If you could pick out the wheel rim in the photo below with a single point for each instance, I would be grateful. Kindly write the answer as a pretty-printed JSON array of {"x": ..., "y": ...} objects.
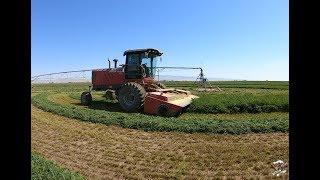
[
  {"x": 84, "y": 99},
  {"x": 129, "y": 99}
]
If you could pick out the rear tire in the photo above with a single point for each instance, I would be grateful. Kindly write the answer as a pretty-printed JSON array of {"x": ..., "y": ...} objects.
[
  {"x": 131, "y": 96},
  {"x": 86, "y": 98}
]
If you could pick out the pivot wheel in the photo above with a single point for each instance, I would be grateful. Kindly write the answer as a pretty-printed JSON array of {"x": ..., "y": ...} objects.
[
  {"x": 86, "y": 98},
  {"x": 131, "y": 96}
]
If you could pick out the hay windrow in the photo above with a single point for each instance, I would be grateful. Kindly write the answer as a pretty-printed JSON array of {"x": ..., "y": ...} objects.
[
  {"x": 229, "y": 103},
  {"x": 154, "y": 123}
]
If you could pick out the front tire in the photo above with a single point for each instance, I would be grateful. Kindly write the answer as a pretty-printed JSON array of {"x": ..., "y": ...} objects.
[
  {"x": 86, "y": 98},
  {"x": 131, "y": 96}
]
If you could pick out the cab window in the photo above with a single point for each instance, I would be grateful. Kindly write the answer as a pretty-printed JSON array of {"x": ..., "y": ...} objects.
[{"x": 133, "y": 59}]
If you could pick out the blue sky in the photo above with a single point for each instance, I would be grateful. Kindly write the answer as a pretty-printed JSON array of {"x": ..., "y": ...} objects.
[{"x": 237, "y": 39}]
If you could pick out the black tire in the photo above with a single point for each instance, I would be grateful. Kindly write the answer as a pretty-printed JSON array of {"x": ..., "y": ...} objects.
[
  {"x": 86, "y": 98},
  {"x": 177, "y": 114},
  {"x": 131, "y": 96},
  {"x": 163, "y": 110},
  {"x": 160, "y": 85},
  {"x": 185, "y": 108}
]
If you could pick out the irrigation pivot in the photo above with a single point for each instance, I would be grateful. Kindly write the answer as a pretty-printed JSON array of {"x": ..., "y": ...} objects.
[{"x": 201, "y": 82}]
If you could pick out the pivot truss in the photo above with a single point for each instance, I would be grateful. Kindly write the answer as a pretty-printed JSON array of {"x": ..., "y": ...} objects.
[{"x": 201, "y": 82}]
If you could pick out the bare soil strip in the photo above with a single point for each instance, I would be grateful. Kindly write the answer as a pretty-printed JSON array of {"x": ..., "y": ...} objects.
[{"x": 97, "y": 151}]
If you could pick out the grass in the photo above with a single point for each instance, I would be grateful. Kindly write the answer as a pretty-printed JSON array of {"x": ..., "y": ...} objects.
[
  {"x": 236, "y": 101},
  {"x": 154, "y": 123},
  {"x": 253, "y": 91},
  {"x": 42, "y": 169},
  {"x": 109, "y": 152},
  {"x": 100, "y": 102},
  {"x": 272, "y": 85},
  {"x": 60, "y": 87},
  {"x": 240, "y": 103},
  {"x": 234, "y": 84}
]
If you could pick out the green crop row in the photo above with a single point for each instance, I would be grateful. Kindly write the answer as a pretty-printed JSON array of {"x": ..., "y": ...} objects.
[
  {"x": 231, "y": 86},
  {"x": 44, "y": 169},
  {"x": 268, "y": 83},
  {"x": 69, "y": 87},
  {"x": 234, "y": 84},
  {"x": 231, "y": 103},
  {"x": 155, "y": 123},
  {"x": 60, "y": 87},
  {"x": 239, "y": 103}
]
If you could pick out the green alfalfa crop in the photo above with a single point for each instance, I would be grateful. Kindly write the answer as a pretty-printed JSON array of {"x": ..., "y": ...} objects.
[
  {"x": 234, "y": 103},
  {"x": 156, "y": 123},
  {"x": 284, "y": 85},
  {"x": 42, "y": 168},
  {"x": 240, "y": 103}
]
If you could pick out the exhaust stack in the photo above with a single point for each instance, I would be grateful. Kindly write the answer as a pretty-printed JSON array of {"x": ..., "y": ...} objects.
[{"x": 115, "y": 63}]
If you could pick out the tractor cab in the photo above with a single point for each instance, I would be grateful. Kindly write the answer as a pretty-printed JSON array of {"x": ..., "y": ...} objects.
[{"x": 141, "y": 63}]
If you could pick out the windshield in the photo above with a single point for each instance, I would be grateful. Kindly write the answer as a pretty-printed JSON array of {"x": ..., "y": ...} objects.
[{"x": 150, "y": 64}]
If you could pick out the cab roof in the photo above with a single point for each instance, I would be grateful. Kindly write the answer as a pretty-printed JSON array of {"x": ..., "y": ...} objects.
[{"x": 149, "y": 50}]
